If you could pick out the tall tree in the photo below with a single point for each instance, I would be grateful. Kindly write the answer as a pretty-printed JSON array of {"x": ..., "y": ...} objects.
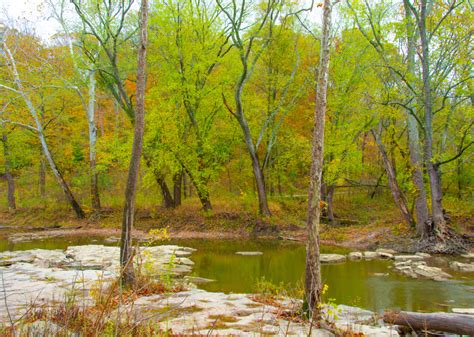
[
  {"x": 19, "y": 89},
  {"x": 126, "y": 254},
  {"x": 249, "y": 52},
  {"x": 313, "y": 284},
  {"x": 86, "y": 77}
]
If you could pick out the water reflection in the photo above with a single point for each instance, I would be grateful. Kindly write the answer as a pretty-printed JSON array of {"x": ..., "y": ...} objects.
[{"x": 368, "y": 284}]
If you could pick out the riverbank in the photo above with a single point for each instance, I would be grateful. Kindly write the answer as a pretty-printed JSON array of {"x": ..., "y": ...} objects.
[
  {"x": 76, "y": 274},
  {"x": 365, "y": 226}
]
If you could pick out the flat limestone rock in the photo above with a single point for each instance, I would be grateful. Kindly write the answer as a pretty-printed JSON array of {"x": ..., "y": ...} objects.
[
  {"x": 355, "y": 255},
  {"x": 249, "y": 253},
  {"x": 370, "y": 255},
  {"x": 408, "y": 257},
  {"x": 386, "y": 250},
  {"x": 332, "y": 258},
  {"x": 464, "y": 267},
  {"x": 385, "y": 255},
  {"x": 433, "y": 273}
]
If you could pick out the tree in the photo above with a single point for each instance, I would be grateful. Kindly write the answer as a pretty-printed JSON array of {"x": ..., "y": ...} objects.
[
  {"x": 249, "y": 53},
  {"x": 126, "y": 255},
  {"x": 7, "y": 165},
  {"x": 86, "y": 77},
  {"x": 187, "y": 57},
  {"x": 19, "y": 89},
  {"x": 313, "y": 284}
]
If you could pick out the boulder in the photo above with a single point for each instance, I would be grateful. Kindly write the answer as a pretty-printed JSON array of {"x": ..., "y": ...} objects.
[
  {"x": 332, "y": 258},
  {"x": 355, "y": 255},
  {"x": 433, "y": 273},
  {"x": 464, "y": 267},
  {"x": 370, "y": 255},
  {"x": 385, "y": 255},
  {"x": 408, "y": 257},
  {"x": 386, "y": 250},
  {"x": 423, "y": 255},
  {"x": 249, "y": 253},
  {"x": 468, "y": 256}
]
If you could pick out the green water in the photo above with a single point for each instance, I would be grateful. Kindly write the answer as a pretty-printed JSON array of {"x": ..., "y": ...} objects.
[{"x": 367, "y": 284}]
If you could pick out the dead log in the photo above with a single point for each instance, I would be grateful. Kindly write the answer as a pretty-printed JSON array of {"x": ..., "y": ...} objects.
[{"x": 437, "y": 321}]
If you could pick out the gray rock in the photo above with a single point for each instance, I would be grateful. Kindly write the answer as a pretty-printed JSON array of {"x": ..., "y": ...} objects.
[
  {"x": 370, "y": 255},
  {"x": 408, "y": 257},
  {"x": 385, "y": 255},
  {"x": 423, "y": 255},
  {"x": 332, "y": 258},
  {"x": 249, "y": 253},
  {"x": 355, "y": 255},
  {"x": 464, "y": 267},
  {"x": 386, "y": 250},
  {"x": 433, "y": 273}
]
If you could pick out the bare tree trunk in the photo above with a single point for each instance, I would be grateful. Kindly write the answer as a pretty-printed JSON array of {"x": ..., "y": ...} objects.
[
  {"x": 202, "y": 193},
  {"x": 94, "y": 179},
  {"x": 257, "y": 170},
  {"x": 8, "y": 173},
  {"x": 185, "y": 186},
  {"x": 330, "y": 201},
  {"x": 397, "y": 193},
  {"x": 177, "y": 183},
  {"x": 59, "y": 177},
  {"x": 439, "y": 223},
  {"x": 42, "y": 176},
  {"x": 126, "y": 251},
  {"x": 313, "y": 265},
  {"x": 421, "y": 203}
]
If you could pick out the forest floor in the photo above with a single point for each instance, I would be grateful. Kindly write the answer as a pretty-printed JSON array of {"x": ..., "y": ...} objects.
[{"x": 367, "y": 225}]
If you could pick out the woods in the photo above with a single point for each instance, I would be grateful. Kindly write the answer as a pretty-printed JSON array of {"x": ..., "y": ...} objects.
[{"x": 245, "y": 111}]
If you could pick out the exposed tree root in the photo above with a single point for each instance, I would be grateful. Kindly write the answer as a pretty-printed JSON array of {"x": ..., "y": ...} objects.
[{"x": 449, "y": 242}]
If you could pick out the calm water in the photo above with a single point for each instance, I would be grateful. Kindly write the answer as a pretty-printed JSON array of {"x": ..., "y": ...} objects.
[{"x": 368, "y": 284}]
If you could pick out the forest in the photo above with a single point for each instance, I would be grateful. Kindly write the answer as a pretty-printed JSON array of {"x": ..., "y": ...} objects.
[{"x": 237, "y": 167}]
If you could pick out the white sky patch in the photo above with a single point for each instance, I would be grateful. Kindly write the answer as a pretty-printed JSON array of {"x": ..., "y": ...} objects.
[{"x": 36, "y": 14}]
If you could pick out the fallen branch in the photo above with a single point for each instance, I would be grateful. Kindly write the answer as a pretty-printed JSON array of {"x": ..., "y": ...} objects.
[{"x": 438, "y": 321}]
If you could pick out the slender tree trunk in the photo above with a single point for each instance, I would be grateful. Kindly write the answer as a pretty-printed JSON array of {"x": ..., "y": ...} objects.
[
  {"x": 421, "y": 203},
  {"x": 94, "y": 176},
  {"x": 8, "y": 173},
  {"x": 167, "y": 201},
  {"x": 330, "y": 201},
  {"x": 257, "y": 170},
  {"x": 397, "y": 193},
  {"x": 177, "y": 184},
  {"x": 459, "y": 165},
  {"x": 126, "y": 251},
  {"x": 185, "y": 186},
  {"x": 439, "y": 223},
  {"x": 313, "y": 265},
  {"x": 42, "y": 176},
  {"x": 59, "y": 177},
  {"x": 202, "y": 193}
]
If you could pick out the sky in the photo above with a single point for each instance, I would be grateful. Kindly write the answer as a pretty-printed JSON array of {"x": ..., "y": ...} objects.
[{"x": 36, "y": 13}]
